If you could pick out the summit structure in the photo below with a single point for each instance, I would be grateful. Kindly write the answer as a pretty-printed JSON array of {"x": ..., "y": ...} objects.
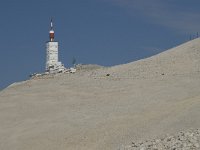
[{"x": 53, "y": 65}]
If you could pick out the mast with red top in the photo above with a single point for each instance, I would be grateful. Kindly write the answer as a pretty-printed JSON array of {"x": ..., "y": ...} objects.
[
  {"x": 53, "y": 65},
  {"x": 51, "y": 32}
]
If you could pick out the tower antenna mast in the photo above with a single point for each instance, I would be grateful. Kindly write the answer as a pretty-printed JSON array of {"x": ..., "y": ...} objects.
[{"x": 51, "y": 32}]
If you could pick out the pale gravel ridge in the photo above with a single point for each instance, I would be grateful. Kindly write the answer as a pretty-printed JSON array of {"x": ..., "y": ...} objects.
[
  {"x": 104, "y": 108},
  {"x": 181, "y": 60}
]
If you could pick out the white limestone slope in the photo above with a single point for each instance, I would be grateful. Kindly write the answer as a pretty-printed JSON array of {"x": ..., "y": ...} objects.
[
  {"x": 183, "y": 59},
  {"x": 91, "y": 110}
]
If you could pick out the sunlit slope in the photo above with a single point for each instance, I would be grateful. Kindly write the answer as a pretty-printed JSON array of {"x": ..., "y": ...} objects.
[
  {"x": 183, "y": 59},
  {"x": 100, "y": 109}
]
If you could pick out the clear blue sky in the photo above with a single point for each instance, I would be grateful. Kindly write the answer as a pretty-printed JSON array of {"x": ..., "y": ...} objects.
[{"x": 104, "y": 32}]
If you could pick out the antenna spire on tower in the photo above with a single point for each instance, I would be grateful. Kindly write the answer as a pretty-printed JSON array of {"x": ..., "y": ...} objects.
[
  {"x": 51, "y": 32},
  {"x": 51, "y": 23}
]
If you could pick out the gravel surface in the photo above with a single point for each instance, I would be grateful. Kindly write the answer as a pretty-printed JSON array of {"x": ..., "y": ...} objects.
[
  {"x": 102, "y": 108},
  {"x": 184, "y": 140}
]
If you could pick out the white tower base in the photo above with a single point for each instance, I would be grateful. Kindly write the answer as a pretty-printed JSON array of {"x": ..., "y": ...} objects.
[{"x": 52, "y": 63}]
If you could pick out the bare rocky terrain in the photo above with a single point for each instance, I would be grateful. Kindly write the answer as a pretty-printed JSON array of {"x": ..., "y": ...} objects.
[
  {"x": 184, "y": 140},
  {"x": 105, "y": 108}
]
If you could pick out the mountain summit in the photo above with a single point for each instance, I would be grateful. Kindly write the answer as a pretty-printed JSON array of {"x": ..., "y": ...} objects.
[{"x": 103, "y": 108}]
